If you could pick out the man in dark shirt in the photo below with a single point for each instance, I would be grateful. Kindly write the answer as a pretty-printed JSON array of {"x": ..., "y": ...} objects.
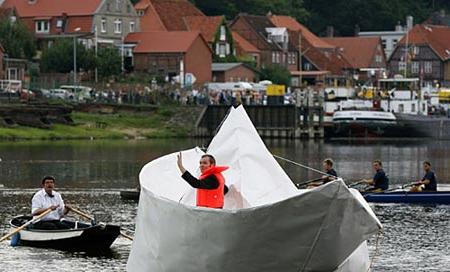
[
  {"x": 428, "y": 183},
  {"x": 210, "y": 180},
  {"x": 330, "y": 174},
  {"x": 380, "y": 181}
]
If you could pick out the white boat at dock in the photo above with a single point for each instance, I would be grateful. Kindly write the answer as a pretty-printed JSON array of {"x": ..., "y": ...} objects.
[{"x": 267, "y": 224}]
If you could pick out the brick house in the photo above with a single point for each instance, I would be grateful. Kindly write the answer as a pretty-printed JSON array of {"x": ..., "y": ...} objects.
[
  {"x": 424, "y": 53},
  {"x": 170, "y": 54},
  {"x": 270, "y": 40},
  {"x": 233, "y": 72},
  {"x": 109, "y": 20},
  {"x": 246, "y": 50},
  {"x": 365, "y": 54}
]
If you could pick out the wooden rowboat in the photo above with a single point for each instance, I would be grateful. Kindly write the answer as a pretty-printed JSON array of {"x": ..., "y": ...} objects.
[
  {"x": 81, "y": 237},
  {"x": 440, "y": 197}
]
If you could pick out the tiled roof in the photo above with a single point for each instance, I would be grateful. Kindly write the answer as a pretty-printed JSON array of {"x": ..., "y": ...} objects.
[
  {"x": 245, "y": 45},
  {"x": 53, "y": 7},
  {"x": 292, "y": 24},
  {"x": 83, "y": 22},
  {"x": 163, "y": 41},
  {"x": 172, "y": 12},
  {"x": 207, "y": 25},
  {"x": 359, "y": 51},
  {"x": 259, "y": 25},
  {"x": 437, "y": 37},
  {"x": 150, "y": 21}
]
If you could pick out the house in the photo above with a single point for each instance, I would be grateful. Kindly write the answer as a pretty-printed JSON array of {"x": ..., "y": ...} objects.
[
  {"x": 320, "y": 61},
  {"x": 104, "y": 21},
  {"x": 246, "y": 50},
  {"x": 233, "y": 72},
  {"x": 165, "y": 15},
  {"x": 365, "y": 54},
  {"x": 171, "y": 54},
  {"x": 270, "y": 40},
  {"x": 389, "y": 39},
  {"x": 425, "y": 53},
  {"x": 216, "y": 32}
]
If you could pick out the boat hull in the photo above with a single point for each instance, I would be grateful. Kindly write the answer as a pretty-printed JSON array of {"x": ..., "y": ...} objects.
[
  {"x": 410, "y": 197},
  {"x": 93, "y": 238}
]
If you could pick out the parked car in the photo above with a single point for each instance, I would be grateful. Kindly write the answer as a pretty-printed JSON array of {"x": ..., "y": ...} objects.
[
  {"x": 58, "y": 94},
  {"x": 78, "y": 93}
]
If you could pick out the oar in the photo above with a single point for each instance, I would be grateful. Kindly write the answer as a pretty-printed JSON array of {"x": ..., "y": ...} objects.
[
  {"x": 85, "y": 215},
  {"x": 37, "y": 218},
  {"x": 307, "y": 182},
  {"x": 393, "y": 189},
  {"x": 355, "y": 183}
]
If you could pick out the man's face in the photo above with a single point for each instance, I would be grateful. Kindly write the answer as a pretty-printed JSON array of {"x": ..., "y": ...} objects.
[
  {"x": 326, "y": 166},
  {"x": 426, "y": 167},
  {"x": 205, "y": 164},
  {"x": 48, "y": 185},
  {"x": 376, "y": 166}
]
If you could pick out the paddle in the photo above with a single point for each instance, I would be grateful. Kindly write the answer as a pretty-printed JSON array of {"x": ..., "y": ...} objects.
[
  {"x": 85, "y": 215},
  {"x": 355, "y": 183},
  {"x": 307, "y": 182},
  {"x": 393, "y": 189},
  {"x": 37, "y": 218}
]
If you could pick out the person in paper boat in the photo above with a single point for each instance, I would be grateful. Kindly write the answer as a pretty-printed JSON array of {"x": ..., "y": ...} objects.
[{"x": 210, "y": 185}]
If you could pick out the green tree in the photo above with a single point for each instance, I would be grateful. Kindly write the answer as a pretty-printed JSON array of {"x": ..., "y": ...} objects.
[
  {"x": 16, "y": 39},
  {"x": 109, "y": 62},
  {"x": 277, "y": 74}
]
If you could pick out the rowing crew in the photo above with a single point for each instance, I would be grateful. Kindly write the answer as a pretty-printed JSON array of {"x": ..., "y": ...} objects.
[{"x": 380, "y": 180}]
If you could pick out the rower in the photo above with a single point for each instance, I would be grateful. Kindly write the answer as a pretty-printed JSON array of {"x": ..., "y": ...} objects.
[
  {"x": 428, "y": 183},
  {"x": 210, "y": 185},
  {"x": 330, "y": 174},
  {"x": 48, "y": 198},
  {"x": 380, "y": 181}
]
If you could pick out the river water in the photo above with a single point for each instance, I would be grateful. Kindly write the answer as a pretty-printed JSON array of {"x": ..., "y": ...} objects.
[{"x": 90, "y": 175}]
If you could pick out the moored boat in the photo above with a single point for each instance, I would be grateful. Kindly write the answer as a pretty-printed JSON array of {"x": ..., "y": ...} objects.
[
  {"x": 80, "y": 237},
  {"x": 440, "y": 197}
]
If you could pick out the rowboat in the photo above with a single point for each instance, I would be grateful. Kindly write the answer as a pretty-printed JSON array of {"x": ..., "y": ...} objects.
[
  {"x": 80, "y": 237},
  {"x": 266, "y": 225},
  {"x": 439, "y": 197}
]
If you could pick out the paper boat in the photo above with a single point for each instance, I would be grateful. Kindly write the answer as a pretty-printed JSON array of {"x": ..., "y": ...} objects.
[{"x": 266, "y": 224}]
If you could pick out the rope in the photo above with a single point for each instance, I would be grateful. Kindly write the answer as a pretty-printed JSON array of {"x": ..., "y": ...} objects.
[
  {"x": 377, "y": 250},
  {"x": 301, "y": 165}
]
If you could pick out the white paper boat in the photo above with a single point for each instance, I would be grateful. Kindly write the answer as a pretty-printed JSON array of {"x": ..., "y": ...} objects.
[{"x": 266, "y": 224}]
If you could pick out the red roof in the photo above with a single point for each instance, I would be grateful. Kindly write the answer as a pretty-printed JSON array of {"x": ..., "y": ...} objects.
[
  {"x": 245, "y": 45},
  {"x": 172, "y": 12},
  {"x": 359, "y": 51},
  {"x": 437, "y": 37},
  {"x": 292, "y": 24},
  {"x": 83, "y": 22},
  {"x": 53, "y": 7},
  {"x": 207, "y": 25},
  {"x": 150, "y": 21},
  {"x": 163, "y": 41}
]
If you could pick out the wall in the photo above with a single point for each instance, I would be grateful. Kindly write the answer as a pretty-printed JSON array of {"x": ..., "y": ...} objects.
[{"x": 198, "y": 61}]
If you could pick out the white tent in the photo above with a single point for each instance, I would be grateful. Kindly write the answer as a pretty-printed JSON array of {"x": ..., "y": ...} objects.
[{"x": 266, "y": 224}]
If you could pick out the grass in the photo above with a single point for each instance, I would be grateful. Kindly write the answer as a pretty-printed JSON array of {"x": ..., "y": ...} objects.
[{"x": 105, "y": 126}]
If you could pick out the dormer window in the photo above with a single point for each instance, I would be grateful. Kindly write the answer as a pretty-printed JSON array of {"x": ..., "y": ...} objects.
[
  {"x": 59, "y": 23},
  {"x": 140, "y": 12},
  {"x": 42, "y": 26},
  {"x": 222, "y": 33}
]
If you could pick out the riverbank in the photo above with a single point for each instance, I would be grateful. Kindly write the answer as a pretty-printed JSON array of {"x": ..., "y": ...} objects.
[{"x": 163, "y": 122}]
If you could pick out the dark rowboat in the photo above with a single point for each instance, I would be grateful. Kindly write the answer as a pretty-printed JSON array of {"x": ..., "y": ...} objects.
[
  {"x": 440, "y": 197},
  {"x": 130, "y": 195},
  {"x": 80, "y": 237}
]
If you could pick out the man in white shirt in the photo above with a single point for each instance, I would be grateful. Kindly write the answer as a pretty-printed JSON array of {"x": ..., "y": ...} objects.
[{"x": 48, "y": 198}]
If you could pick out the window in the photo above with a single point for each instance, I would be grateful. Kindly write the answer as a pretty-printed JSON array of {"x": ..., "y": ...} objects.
[
  {"x": 12, "y": 74},
  {"x": 131, "y": 26},
  {"x": 384, "y": 43},
  {"x": 118, "y": 4},
  {"x": 223, "y": 33},
  {"x": 117, "y": 26},
  {"x": 128, "y": 8},
  {"x": 416, "y": 50},
  {"x": 307, "y": 66},
  {"x": 401, "y": 66},
  {"x": 428, "y": 67},
  {"x": 378, "y": 59},
  {"x": 415, "y": 67},
  {"x": 222, "y": 50},
  {"x": 413, "y": 107},
  {"x": 401, "y": 108},
  {"x": 59, "y": 23},
  {"x": 42, "y": 26},
  {"x": 274, "y": 58},
  {"x": 140, "y": 12},
  {"x": 394, "y": 43},
  {"x": 108, "y": 6},
  {"x": 278, "y": 57},
  {"x": 103, "y": 25}
]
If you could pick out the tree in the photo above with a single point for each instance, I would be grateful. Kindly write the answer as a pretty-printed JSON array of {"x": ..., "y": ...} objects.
[
  {"x": 277, "y": 74},
  {"x": 16, "y": 39},
  {"x": 109, "y": 62}
]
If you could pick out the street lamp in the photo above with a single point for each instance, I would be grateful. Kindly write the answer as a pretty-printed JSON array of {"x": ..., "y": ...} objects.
[{"x": 75, "y": 56}]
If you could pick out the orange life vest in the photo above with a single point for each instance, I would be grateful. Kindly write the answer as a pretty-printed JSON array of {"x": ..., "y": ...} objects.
[{"x": 212, "y": 198}]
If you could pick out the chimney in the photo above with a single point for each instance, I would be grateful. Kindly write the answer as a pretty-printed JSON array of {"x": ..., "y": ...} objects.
[
  {"x": 398, "y": 27},
  {"x": 409, "y": 22},
  {"x": 330, "y": 31},
  {"x": 357, "y": 30}
]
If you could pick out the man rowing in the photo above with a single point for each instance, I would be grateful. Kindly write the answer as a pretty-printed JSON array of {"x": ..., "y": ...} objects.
[
  {"x": 380, "y": 181},
  {"x": 210, "y": 185},
  {"x": 47, "y": 198},
  {"x": 428, "y": 183},
  {"x": 330, "y": 174}
]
